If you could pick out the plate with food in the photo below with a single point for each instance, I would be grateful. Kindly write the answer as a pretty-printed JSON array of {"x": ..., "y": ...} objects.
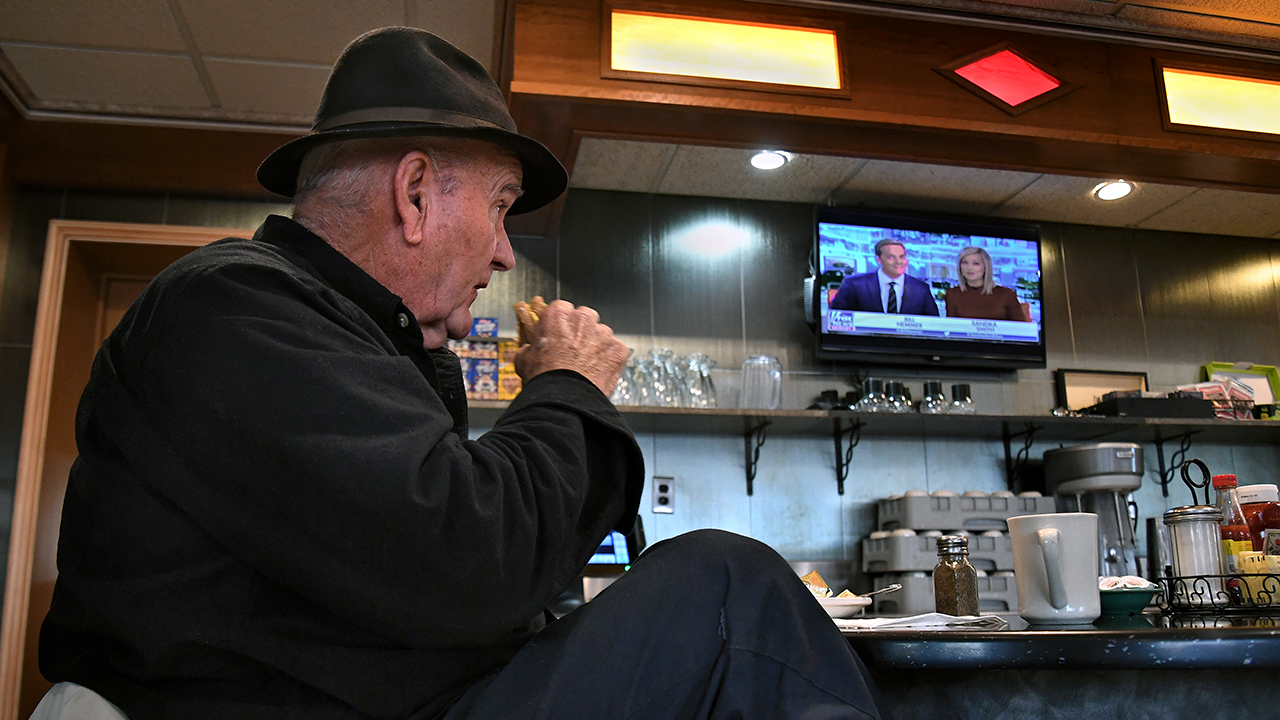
[{"x": 844, "y": 605}]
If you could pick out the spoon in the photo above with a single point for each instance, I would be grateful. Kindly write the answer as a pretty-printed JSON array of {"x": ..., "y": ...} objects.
[{"x": 891, "y": 588}]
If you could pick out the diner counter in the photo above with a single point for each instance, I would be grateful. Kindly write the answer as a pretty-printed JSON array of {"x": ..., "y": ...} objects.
[
  {"x": 1147, "y": 641},
  {"x": 1149, "y": 666}
]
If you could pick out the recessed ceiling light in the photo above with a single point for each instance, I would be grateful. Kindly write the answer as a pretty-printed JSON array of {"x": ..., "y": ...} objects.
[
  {"x": 769, "y": 159},
  {"x": 1112, "y": 189}
]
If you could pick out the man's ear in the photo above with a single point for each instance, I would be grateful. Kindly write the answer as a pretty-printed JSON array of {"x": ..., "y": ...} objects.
[{"x": 414, "y": 182}]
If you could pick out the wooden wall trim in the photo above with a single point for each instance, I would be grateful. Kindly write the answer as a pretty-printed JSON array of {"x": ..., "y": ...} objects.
[
  {"x": 900, "y": 108},
  {"x": 26, "y": 498},
  {"x": 19, "y": 620}
]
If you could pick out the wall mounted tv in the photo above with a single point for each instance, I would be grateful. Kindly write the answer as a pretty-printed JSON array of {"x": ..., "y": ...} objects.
[{"x": 932, "y": 321}]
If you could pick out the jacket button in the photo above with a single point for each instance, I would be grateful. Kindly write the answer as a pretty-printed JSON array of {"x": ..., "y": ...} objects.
[{"x": 403, "y": 320}]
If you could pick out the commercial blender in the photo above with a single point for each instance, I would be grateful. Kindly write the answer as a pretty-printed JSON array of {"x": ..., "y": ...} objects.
[{"x": 1097, "y": 478}]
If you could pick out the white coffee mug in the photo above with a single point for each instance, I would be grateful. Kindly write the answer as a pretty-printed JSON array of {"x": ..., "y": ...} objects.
[{"x": 1055, "y": 559}]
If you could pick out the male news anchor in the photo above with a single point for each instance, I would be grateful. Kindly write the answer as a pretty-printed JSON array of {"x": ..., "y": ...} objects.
[{"x": 889, "y": 289}]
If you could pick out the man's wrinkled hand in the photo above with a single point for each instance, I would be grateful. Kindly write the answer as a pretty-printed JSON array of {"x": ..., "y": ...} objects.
[{"x": 564, "y": 337}]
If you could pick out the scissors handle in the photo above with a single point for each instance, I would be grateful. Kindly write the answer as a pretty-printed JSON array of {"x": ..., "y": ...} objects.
[{"x": 1192, "y": 484}]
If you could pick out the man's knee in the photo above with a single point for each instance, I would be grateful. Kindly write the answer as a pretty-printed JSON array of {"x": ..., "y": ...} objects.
[{"x": 710, "y": 551}]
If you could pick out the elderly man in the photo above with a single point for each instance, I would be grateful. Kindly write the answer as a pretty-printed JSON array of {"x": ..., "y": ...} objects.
[{"x": 277, "y": 512}]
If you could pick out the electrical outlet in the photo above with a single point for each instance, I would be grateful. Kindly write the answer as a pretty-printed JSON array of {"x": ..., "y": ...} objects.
[{"x": 664, "y": 494}]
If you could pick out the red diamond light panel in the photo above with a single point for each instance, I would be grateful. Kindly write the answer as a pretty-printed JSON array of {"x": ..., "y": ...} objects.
[{"x": 1009, "y": 77}]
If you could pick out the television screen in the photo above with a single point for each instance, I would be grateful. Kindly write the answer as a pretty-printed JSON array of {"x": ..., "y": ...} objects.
[
  {"x": 922, "y": 290},
  {"x": 616, "y": 552}
]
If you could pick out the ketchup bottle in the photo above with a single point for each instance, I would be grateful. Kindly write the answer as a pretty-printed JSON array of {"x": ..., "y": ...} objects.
[
  {"x": 1254, "y": 499},
  {"x": 1236, "y": 537}
]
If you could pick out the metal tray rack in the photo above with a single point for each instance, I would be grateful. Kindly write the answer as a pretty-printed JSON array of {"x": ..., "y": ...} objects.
[
  {"x": 928, "y": 512},
  {"x": 1243, "y": 594},
  {"x": 996, "y": 593},
  {"x": 920, "y": 552}
]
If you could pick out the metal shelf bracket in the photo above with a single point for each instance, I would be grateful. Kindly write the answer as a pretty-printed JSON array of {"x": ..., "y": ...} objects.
[
  {"x": 1175, "y": 460},
  {"x": 752, "y": 440},
  {"x": 1012, "y": 463},
  {"x": 844, "y": 455}
]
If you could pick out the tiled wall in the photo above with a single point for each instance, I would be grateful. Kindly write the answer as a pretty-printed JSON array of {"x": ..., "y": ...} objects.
[{"x": 1117, "y": 299}]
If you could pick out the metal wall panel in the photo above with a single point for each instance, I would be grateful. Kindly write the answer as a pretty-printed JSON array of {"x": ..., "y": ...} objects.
[{"x": 604, "y": 257}]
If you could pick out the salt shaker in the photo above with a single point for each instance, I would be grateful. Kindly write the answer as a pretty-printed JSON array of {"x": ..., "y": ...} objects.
[{"x": 955, "y": 582}]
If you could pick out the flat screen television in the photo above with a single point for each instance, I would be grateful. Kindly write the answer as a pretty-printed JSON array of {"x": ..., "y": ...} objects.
[
  {"x": 997, "y": 325},
  {"x": 616, "y": 552}
]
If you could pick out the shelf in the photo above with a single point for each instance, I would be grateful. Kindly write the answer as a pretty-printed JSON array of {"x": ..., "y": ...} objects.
[{"x": 735, "y": 421}]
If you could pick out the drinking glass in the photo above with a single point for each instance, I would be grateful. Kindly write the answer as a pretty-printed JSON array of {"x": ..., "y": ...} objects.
[
  {"x": 761, "y": 382},
  {"x": 697, "y": 381},
  {"x": 625, "y": 392}
]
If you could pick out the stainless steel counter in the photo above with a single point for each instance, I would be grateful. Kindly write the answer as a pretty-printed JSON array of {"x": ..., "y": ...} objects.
[
  {"x": 1143, "y": 667},
  {"x": 1148, "y": 641}
]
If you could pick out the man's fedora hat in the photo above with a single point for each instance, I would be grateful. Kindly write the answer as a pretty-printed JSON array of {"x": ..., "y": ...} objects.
[{"x": 399, "y": 82}]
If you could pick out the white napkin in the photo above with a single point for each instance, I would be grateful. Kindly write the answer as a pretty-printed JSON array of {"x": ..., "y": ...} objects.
[{"x": 928, "y": 621}]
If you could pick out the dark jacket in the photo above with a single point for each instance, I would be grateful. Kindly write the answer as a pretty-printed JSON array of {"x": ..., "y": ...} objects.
[
  {"x": 862, "y": 292},
  {"x": 276, "y": 512}
]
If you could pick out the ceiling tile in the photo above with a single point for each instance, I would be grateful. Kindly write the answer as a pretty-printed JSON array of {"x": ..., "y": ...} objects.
[
  {"x": 469, "y": 25},
  {"x": 939, "y": 188},
  {"x": 99, "y": 77},
  {"x": 1221, "y": 212},
  {"x": 727, "y": 172},
  {"x": 289, "y": 91},
  {"x": 1058, "y": 198},
  {"x": 618, "y": 164},
  {"x": 285, "y": 30},
  {"x": 119, "y": 24}
]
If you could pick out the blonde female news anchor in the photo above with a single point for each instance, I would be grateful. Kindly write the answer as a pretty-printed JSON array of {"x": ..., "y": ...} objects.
[{"x": 977, "y": 296}]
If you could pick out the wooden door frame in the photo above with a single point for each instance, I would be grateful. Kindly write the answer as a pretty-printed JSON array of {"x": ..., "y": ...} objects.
[{"x": 25, "y": 604}]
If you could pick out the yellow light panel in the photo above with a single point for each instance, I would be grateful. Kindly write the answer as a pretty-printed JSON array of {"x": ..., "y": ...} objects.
[
  {"x": 1222, "y": 101},
  {"x": 724, "y": 50}
]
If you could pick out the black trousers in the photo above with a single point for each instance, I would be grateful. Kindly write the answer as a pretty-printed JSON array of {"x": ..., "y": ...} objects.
[{"x": 705, "y": 625}]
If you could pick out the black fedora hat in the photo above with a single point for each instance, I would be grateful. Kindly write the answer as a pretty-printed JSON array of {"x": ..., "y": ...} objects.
[{"x": 399, "y": 82}]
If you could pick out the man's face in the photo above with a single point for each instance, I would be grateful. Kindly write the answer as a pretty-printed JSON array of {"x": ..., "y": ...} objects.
[
  {"x": 465, "y": 242},
  {"x": 893, "y": 260}
]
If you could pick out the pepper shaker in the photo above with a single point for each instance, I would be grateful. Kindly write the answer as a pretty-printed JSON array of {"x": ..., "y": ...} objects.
[{"x": 955, "y": 582}]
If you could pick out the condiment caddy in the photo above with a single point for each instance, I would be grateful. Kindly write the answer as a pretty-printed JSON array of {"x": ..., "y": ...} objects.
[{"x": 1216, "y": 564}]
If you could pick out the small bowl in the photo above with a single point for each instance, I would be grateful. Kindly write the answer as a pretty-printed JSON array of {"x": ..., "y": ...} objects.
[
  {"x": 1126, "y": 601},
  {"x": 844, "y": 607}
]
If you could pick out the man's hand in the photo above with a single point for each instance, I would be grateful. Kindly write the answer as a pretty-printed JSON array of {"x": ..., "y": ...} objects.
[{"x": 572, "y": 338}]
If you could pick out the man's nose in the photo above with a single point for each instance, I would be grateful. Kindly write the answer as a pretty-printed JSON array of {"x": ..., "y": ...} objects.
[{"x": 504, "y": 256}]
